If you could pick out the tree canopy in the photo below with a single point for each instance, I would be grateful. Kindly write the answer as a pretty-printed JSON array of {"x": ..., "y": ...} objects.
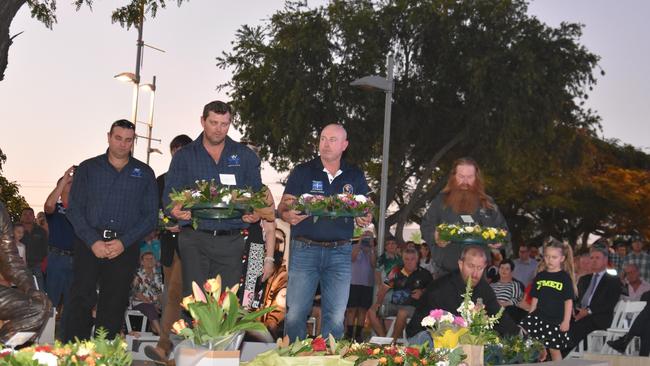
[
  {"x": 45, "y": 12},
  {"x": 9, "y": 194},
  {"x": 472, "y": 78}
]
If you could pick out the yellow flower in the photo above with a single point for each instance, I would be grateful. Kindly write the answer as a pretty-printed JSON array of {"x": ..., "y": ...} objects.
[
  {"x": 213, "y": 285},
  {"x": 178, "y": 326},
  {"x": 187, "y": 300},
  {"x": 382, "y": 360},
  {"x": 375, "y": 351},
  {"x": 398, "y": 359}
]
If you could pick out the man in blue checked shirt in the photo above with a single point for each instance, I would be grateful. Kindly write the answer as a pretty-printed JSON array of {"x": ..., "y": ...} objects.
[
  {"x": 216, "y": 246},
  {"x": 321, "y": 250},
  {"x": 113, "y": 204}
]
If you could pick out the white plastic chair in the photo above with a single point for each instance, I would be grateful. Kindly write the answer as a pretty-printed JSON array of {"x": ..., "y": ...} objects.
[
  {"x": 596, "y": 339},
  {"x": 630, "y": 312}
]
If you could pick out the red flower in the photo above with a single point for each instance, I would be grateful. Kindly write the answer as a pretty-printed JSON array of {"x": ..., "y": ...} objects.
[
  {"x": 318, "y": 344},
  {"x": 45, "y": 348},
  {"x": 391, "y": 351},
  {"x": 369, "y": 351},
  {"x": 412, "y": 351}
]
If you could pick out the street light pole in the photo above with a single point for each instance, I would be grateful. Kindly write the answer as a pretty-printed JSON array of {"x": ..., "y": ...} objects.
[
  {"x": 150, "y": 122},
  {"x": 383, "y": 185},
  {"x": 138, "y": 61},
  {"x": 374, "y": 82}
]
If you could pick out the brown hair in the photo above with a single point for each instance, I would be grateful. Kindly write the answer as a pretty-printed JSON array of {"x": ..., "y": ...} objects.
[{"x": 479, "y": 185}]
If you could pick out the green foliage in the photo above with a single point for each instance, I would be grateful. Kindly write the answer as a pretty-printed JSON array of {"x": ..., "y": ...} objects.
[
  {"x": 127, "y": 15},
  {"x": 480, "y": 78},
  {"x": 9, "y": 193}
]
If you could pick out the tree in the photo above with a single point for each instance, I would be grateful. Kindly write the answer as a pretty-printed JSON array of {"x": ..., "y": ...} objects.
[
  {"x": 606, "y": 193},
  {"x": 45, "y": 12},
  {"x": 9, "y": 193},
  {"x": 477, "y": 78}
]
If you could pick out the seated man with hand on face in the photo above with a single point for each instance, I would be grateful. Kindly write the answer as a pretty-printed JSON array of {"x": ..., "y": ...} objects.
[
  {"x": 405, "y": 286},
  {"x": 446, "y": 293}
]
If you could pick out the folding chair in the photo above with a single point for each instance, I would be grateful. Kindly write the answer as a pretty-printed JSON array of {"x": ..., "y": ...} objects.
[
  {"x": 596, "y": 339},
  {"x": 629, "y": 314}
]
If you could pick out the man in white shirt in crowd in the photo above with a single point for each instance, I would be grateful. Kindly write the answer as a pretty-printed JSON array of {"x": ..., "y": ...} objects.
[{"x": 636, "y": 286}]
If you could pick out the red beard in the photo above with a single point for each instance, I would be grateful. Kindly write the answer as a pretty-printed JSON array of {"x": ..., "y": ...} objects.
[{"x": 463, "y": 201}]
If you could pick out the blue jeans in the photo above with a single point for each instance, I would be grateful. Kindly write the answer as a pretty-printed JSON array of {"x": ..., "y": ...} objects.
[
  {"x": 310, "y": 265},
  {"x": 59, "y": 277},
  {"x": 421, "y": 337}
]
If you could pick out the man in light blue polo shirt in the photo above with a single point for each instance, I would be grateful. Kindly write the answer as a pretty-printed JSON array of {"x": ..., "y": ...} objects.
[{"x": 321, "y": 249}]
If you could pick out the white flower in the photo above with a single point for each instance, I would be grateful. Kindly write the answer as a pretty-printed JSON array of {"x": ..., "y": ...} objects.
[
  {"x": 469, "y": 229},
  {"x": 246, "y": 194},
  {"x": 306, "y": 195},
  {"x": 447, "y": 318},
  {"x": 83, "y": 351},
  {"x": 361, "y": 198},
  {"x": 196, "y": 194},
  {"x": 428, "y": 321},
  {"x": 45, "y": 358},
  {"x": 226, "y": 198}
]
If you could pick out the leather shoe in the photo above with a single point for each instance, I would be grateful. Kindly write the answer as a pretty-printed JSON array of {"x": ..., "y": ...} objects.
[
  {"x": 620, "y": 344},
  {"x": 157, "y": 355}
]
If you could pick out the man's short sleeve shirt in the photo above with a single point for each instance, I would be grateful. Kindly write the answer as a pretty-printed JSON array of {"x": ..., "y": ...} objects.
[
  {"x": 61, "y": 232},
  {"x": 310, "y": 178}
]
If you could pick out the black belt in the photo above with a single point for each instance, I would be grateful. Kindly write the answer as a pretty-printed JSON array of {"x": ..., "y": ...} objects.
[
  {"x": 324, "y": 244},
  {"x": 108, "y": 235},
  {"x": 222, "y": 232},
  {"x": 60, "y": 251}
]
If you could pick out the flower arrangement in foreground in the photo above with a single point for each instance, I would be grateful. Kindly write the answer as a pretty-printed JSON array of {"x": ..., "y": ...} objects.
[
  {"x": 513, "y": 350},
  {"x": 98, "y": 351},
  {"x": 473, "y": 327},
  {"x": 330, "y": 352},
  {"x": 445, "y": 328},
  {"x": 208, "y": 195},
  {"x": 338, "y": 205},
  {"x": 480, "y": 325},
  {"x": 365, "y": 354},
  {"x": 216, "y": 315},
  {"x": 460, "y": 233}
]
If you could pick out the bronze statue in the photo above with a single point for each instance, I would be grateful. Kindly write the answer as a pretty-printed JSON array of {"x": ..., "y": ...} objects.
[{"x": 24, "y": 308}]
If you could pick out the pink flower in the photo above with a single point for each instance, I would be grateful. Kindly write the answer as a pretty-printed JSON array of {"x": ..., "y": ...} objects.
[
  {"x": 458, "y": 320},
  {"x": 436, "y": 314}
]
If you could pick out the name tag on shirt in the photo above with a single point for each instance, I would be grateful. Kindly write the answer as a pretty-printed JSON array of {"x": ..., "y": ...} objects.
[
  {"x": 467, "y": 219},
  {"x": 136, "y": 173},
  {"x": 228, "y": 179}
]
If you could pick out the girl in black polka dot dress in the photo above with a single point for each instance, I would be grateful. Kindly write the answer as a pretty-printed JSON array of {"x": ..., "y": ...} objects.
[{"x": 552, "y": 295}]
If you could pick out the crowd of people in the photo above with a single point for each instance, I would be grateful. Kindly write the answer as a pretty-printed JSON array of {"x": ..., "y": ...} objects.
[{"x": 99, "y": 235}]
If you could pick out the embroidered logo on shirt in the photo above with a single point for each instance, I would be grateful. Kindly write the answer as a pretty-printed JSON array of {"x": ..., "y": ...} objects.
[
  {"x": 233, "y": 160},
  {"x": 348, "y": 189},
  {"x": 317, "y": 185},
  {"x": 137, "y": 173},
  {"x": 548, "y": 283}
]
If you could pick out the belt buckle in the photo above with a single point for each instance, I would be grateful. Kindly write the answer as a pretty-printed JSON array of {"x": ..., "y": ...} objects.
[{"x": 108, "y": 234}]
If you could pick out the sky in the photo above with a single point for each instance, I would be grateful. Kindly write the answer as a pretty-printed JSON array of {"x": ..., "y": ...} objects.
[{"x": 59, "y": 97}]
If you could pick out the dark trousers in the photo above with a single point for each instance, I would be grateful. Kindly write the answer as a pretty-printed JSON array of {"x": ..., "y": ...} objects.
[
  {"x": 113, "y": 278},
  {"x": 204, "y": 256}
]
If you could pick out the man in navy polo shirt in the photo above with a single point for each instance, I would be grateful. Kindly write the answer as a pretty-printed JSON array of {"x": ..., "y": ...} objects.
[
  {"x": 61, "y": 241},
  {"x": 321, "y": 249},
  {"x": 113, "y": 206},
  {"x": 216, "y": 246}
]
